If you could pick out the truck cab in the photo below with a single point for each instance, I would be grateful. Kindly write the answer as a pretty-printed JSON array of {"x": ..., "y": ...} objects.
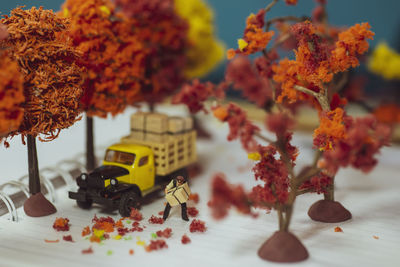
[{"x": 138, "y": 160}]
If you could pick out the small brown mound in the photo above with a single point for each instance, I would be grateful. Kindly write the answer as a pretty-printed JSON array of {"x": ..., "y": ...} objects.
[
  {"x": 328, "y": 211},
  {"x": 283, "y": 247},
  {"x": 38, "y": 206}
]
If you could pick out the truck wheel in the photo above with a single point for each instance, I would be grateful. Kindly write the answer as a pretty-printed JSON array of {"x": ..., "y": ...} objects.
[
  {"x": 128, "y": 201},
  {"x": 84, "y": 204}
]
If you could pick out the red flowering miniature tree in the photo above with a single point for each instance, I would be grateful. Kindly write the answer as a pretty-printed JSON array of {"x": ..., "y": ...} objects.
[
  {"x": 51, "y": 86},
  {"x": 11, "y": 91},
  {"x": 114, "y": 59},
  {"x": 322, "y": 53},
  {"x": 164, "y": 35}
]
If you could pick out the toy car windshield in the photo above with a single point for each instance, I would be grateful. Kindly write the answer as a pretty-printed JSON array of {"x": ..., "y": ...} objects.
[{"x": 120, "y": 157}]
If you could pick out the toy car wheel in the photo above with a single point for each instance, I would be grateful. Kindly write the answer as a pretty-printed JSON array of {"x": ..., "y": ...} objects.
[
  {"x": 84, "y": 204},
  {"x": 128, "y": 201}
]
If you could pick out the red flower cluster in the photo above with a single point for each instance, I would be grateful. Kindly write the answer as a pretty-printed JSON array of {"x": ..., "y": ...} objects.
[
  {"x": 68, "y": 238},
  {"x": 197, "y": 226},
  {"x": 279, "y": 123},
  {"x": 193, "y": 95},
  {"x": 245, "y": 77},
  {"x": 156, "y": 220},
  {"x": 192, "y": 211},
  {"x": 318, "y": 183},
  {"x": 136, "y": 227},
  {"x": 156, "y": 245},
  {"x": 136, "y": 215},
  {"x": 274, "y": 174},
  {"x": 364, "y": 138},
  {"x": 164, "y": 233},
  {"x": 185, "y": 239},
  {"x": 224, "y": 196},
  {"x": 239, "y": 125}
]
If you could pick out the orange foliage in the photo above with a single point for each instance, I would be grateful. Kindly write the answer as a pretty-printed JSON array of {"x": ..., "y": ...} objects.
[
  {"x": 52, "y": 80},
  {"x": 315, "y": 64},
  {"x": 331, "y": 128},
  {"x": 286, "y": 74},
  {"x": 11, "y": 95},
  {"x": 350, "y": 44},
  {"x": 111, "y": 54},
  {"x": 389, "y": 113},
  {"x": 164, "y": 34},
  {"x": 255, "y": 38}
]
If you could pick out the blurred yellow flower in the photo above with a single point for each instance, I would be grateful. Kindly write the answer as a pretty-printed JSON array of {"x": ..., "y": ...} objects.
[
  {"x": 242, "y": 44},
  {"x": 206, "y": 50},
  {"x": 385, "y": 62},
  {"x": 254, "y": 156}
]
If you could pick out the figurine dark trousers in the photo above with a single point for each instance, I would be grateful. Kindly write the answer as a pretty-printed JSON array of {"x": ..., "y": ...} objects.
[{"x": 183, "y": 208}]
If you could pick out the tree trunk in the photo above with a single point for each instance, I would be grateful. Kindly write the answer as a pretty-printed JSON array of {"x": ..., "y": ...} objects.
[
  {"x": 36, "y": 205},
  {"x": 34, "y": 179},
  {"x": 152, "y": 107},
  {"x": 90, "y": 157}
]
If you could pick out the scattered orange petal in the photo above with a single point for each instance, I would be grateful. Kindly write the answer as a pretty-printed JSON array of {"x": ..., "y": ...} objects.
[
  {"x": 51, "y": 241},
  {"x": 338, "y": 229}
]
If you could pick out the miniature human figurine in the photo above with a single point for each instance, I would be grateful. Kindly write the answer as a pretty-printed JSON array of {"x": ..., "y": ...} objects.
[{"x": 178, "y": 181}]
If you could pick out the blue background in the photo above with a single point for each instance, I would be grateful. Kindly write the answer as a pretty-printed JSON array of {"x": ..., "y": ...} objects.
[{"x": 231, "y": 16}]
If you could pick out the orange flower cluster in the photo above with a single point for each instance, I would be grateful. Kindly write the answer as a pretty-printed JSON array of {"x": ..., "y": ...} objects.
[
  {"x": 389, "y": 113},
  {"x": 11, "y": 95},
  {"x": 351, "y": 43},
  {"x": 255, "y": 38},
  {"x": 52, "y": 80},
  {"x": 315, "y": 62},
  {"x": 111, "y": 54},
  {"x": 330, "y": 130}
]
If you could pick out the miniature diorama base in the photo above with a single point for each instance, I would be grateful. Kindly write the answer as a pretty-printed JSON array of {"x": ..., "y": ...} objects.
[
  {"x": 328, "y": 211},
  {"x": 283, "y": 247},
  {"x": 38, "y": 206}
]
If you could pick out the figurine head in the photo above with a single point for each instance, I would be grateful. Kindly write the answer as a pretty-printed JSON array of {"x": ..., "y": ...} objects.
[{"x": 180, "y": 180}]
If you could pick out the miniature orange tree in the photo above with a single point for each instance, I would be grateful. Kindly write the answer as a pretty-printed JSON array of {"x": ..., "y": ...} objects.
[
  {"x": 278, "y": 86},
  {"x": 51, "y": 86},
  {"x": 114, "y": 59},
  {"x": 164, "y": 35},
  {"x": 11, "y": 91}
]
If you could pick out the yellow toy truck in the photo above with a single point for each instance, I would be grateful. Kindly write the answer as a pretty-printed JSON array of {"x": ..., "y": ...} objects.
[{"x": 158, "y": 149}]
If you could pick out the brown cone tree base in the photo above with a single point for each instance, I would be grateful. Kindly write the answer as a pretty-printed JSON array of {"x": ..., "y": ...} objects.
[
  {"x": 328, "y": 211},
  {"x": 283, "y": 247},
  {"x": 38, "y": 206}
]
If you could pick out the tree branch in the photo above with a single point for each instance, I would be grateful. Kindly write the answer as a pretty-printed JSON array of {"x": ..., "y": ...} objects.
[
  {"x": 264, "y": 138},
  {"x": 321, "y": 98},
  {"x": 268, "y": 8},
  {"x": 285, "y": 18}
]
